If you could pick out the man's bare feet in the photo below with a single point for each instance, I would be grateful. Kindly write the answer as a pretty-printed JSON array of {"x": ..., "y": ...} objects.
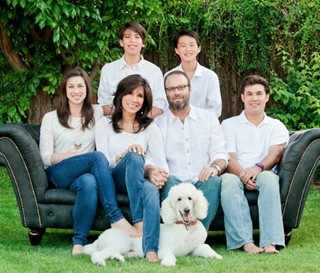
[
  {"x": 126, "y": 228},
  {"x": 139, "y": 226},
  {"x": 270, "y": 249},
  {"x": 251, "y": 248},
  {"x": 152, "y": 257},
  {"x": 77, "y": 249}
]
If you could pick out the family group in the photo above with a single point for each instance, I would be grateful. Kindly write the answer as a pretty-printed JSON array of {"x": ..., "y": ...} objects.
[{"x": 150, "y": 132}]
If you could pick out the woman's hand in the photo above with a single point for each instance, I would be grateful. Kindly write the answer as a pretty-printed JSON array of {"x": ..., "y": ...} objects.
[{"x": 136, "y": 148}]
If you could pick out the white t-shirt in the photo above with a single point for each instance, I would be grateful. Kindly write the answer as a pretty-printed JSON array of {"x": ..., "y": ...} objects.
[
  {"x": 191, "y": 145},
  {"x": 112, "y": 144},
  {"x": 112, "y": 73},
  {"x": 205, "y": 89},
  {"x": 54, "y": 138},
  {"x": 251, "y": 143}
]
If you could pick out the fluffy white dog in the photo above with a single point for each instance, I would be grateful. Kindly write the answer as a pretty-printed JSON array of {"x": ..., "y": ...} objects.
[{"x": 181, "y": 234}]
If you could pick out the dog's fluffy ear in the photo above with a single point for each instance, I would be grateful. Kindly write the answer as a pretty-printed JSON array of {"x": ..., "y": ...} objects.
[
  {"x": 200, "y": 205},
  {"x": 167, "y": 212}
]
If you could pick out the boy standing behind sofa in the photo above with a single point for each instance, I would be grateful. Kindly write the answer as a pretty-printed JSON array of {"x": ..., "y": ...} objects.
[
  {"x": 205, "y": 83},
  {"x": 132, "y": 39}
]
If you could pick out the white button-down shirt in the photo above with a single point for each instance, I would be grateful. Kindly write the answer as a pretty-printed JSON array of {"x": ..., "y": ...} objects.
[
  {"x": 205, "y": 89},
  {"x": 251, "y": 143},
  {"x": 191, "y": 145},
  {"x": 112, "y": 73}
]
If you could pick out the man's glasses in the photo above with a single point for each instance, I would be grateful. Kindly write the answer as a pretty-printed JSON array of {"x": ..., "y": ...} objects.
[{"x": 179, "y": 88}]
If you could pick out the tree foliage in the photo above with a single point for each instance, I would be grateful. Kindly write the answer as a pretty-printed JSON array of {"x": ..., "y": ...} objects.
[{"x": 277, "y": 39}]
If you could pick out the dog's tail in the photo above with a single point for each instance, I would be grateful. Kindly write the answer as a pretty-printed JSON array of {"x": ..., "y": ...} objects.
[{"x": 90, "y": 248}]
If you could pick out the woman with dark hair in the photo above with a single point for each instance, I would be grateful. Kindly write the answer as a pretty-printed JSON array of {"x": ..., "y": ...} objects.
[
  {"x": 67, "y": 150},
  {"x": 133, "y": 145}
]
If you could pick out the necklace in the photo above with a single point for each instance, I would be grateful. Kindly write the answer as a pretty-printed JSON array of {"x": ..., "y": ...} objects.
[{"x": 77, "y": 136}]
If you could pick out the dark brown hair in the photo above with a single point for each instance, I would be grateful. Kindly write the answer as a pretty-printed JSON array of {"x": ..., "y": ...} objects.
[
  {"x": 255, "y": 79},
  {"x": 125, "y": 87},
  {"x": 189, "y": 33},
  {"x": 135, "y": 26},
  {"x": 63, "y": 110}
]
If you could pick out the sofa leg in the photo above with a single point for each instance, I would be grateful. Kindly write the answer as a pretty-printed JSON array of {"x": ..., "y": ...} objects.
[
  {"x": 287, "y": 238},
  {"x": 35, "y": 236}
]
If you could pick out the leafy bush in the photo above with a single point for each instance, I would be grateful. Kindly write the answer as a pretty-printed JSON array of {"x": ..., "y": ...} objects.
[{"x": 297, "y": 95}]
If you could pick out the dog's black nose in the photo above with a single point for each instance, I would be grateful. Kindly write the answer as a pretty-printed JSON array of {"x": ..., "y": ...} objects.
[{"x": 186, "y": 210}]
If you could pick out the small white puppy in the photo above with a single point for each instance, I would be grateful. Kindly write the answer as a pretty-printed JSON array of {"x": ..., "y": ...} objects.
[{"x": 181, "y": 234}]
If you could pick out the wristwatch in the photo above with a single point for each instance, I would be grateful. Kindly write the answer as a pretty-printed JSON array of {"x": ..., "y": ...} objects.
[
  {"x": 260, "y": 165},
  {"x": 215, "y": 166}
]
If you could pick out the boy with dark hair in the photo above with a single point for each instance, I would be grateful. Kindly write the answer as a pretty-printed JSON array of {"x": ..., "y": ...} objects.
[
  {"x": 132, "y": 38},
  {"x": 205, "y": 83}
]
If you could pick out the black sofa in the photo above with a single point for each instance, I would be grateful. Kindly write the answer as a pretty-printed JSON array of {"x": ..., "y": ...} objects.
[{"x": 41, "y": 207}]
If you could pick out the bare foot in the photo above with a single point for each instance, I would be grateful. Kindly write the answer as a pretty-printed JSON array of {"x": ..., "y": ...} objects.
[
  {"x": 139, "y": 226},
  {"x": 270, "y": 249},
  {"x": 77, "y": 249},
  {"x": 152, "y": 257},
  {"x": 125, "y": 227},
  {"x": 251, "y": 248}
]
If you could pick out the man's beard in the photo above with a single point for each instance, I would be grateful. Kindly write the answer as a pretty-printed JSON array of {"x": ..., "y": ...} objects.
[{"x": 179, "y": 105}]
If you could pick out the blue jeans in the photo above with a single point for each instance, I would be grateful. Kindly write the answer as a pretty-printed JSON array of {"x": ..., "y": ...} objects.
[
  {"x": 144, "y": 197},
  {"x": 237, "y": 219},
  {"x": 211, "y": 191},
  {"x": 89, "y": 176}
]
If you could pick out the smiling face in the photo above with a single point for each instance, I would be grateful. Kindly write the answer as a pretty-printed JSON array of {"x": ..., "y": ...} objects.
[
  {"x": 131, "y": 42},
  {"x": 187, "y": 48},
  {"x": 76, "y": 90},
  {"x": 255, "y": 99},
  {"x": 132, "y": 102}
]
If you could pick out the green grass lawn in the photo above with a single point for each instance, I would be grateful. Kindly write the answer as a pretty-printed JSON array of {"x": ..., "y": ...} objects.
[{"x": 54, "y": 253}]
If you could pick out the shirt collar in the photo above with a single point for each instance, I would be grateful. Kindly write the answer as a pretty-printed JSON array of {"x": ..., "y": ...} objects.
[
  {"x": 198, "y": 71},
  {"x": 243, "y": 119},
  {"x": 124, "y": 65},
  {"x": 192, "y": 115}
]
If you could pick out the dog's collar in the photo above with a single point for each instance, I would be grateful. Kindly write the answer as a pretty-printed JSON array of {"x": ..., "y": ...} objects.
[{"x": 186, "y": 224}]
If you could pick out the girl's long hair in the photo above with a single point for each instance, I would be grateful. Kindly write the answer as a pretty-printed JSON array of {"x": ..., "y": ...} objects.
[
  {"x": 125, "y": 87},
  {"x": 63, "y": 110}
]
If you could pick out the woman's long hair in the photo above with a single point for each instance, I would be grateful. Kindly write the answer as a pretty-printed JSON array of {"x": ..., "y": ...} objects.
[
  {"x": 125, "y": 87},
  {"x": 63, "y": 110}
]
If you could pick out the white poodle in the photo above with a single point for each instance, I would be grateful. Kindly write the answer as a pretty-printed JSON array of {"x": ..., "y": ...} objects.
[{"x": 181, "y": 234}]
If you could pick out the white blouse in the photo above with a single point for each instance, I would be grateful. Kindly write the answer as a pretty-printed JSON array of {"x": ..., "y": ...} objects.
[
  {"x": 112, "y": 144},
  {"x": 54, "y": 138}
]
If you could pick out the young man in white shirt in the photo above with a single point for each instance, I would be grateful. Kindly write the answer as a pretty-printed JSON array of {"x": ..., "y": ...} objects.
[
  {"x": 205, "y": 83},
  {"x": 132, "y": 39},
  {"x": 255, "y": 143},
  {"x": 194, "y": 143}
]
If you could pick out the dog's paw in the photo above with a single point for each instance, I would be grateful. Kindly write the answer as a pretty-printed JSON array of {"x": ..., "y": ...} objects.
[
  {"x": 118, "y": 257},
  {"x": 218, "y": 257},
  {"x": 168, "y": 262},
  {"x": 88, "y": 249},
  {"x": 97, "y": 259},
  {"x": 133, "y": 254}
]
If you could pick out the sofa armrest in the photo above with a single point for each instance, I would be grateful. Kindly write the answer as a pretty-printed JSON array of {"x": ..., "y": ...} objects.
[
  {"x": 296, "y": 171},
  {"x": 20, "y": 154}
]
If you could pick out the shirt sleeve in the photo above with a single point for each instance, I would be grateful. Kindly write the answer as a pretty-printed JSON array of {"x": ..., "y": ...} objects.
[
  {"x": 46, "y": 144},
  {"x": 102, "y": 134},
  {"x": 214, "y": 96},
  {"x": 104, "y": 93},
  {"x": 158, "y": 93},
  {"x": 280, "y": 134},
  {"x": 229, "y": 137},
  {"x": 217, "y": 143},
  {"x": 155, "y": 151}
]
